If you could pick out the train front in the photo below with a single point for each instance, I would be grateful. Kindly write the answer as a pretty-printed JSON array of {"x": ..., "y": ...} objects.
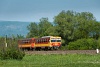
[{"x": 55, "y": 42}]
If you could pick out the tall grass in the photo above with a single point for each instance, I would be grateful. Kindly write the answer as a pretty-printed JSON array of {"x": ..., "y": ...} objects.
[{"x": 68, "y": 60}]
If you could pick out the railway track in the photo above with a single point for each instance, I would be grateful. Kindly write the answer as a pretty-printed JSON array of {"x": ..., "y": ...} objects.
[{"x": 62, "y": 52}]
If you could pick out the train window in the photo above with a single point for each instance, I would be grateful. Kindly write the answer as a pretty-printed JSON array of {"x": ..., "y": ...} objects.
[
  {"x": 36, "y": 41},
  {"x": 41, "y": 40},
  {"x": 53, "y": 40},
  {"x": 22, "y": 41},
  {"x": 45, "y": 40},
  {"x": 26, "y": 41},
  {"x": 58, "y": 40}
]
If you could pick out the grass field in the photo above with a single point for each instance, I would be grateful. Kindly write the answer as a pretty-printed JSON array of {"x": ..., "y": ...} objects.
[{"x": 68, "y": 60}]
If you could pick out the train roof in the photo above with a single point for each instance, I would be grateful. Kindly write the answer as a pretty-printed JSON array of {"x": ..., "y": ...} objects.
[
  {"x": 27, "y": 39},
  {"x": 46, "y": 36},
  {"x": 49, "y": 36}
]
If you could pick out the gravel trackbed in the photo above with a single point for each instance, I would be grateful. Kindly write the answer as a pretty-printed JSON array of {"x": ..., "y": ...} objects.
[{"x": 63, "y": 52}]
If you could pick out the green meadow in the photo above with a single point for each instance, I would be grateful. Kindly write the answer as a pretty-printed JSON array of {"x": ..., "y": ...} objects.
[{"x": 68, "y": 60}]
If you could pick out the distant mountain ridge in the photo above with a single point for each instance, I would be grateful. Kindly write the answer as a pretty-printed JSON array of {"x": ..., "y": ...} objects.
[{"x": 13, "y": 27}]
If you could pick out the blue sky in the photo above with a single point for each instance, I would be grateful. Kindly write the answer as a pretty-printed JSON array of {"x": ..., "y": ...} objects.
[{"x": 33, "y": 10}]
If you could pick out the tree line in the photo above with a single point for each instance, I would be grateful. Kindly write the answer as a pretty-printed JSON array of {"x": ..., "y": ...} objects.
[{"x": 70, "y": 25}]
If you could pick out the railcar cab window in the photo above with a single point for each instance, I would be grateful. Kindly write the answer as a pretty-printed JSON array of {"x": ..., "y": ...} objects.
[
  {"x": 53, "y": 40},
  {"x": 58, "y": 40}
]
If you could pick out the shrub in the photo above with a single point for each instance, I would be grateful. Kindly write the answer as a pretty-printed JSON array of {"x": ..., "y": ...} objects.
[
  {"x": 93, "y": 44},
  {"x": 83, "y": 44},
  {"x": 63, "y": 47},
  {"x": 11, "y": 53},
  {"x": 98, "y": 43}
]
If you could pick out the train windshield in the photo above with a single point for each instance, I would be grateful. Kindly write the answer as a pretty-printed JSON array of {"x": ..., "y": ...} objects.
[
  {"x": 56, "y": 40},
  {"x": 53, "y": 40}
]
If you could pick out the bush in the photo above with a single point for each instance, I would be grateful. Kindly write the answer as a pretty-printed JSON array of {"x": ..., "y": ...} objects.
[
  {"x": 63, "y": 47},
  {"x": 99, "y": 43},
  {"x": 83, "y": 44},
  {"x": 11, "y": 53}
]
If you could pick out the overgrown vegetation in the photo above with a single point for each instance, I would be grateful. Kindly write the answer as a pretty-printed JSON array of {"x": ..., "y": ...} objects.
[
  {"x": 11, "y": 53},
  {"x": 84, "y": 44},
  {"x": 9, "y": 49}
]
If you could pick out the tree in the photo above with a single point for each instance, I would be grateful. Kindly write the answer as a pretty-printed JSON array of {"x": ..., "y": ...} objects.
[
  {"x": 52, "y": 31},
  {"x": 64, "y": 22},
  {"x": 73, "y": 25},
  {"x": 44, "y": 27},
  {"x": 33, "y": 30},
  {"x": 95, "y": 33},
  {"x": 20, "y": 36},
  {"x": 84, "y": 24}
]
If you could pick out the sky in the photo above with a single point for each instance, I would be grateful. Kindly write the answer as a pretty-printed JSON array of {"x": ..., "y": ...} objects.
[{"x": 34, "y": 10}]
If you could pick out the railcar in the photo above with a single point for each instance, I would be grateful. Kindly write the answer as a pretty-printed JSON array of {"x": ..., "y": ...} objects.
[
  {"x": 26, "y": 44},
  {"x": 46, "y": 42}
]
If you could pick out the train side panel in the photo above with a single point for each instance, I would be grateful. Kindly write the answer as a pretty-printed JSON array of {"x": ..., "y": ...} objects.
[
  {"x": 42, "y": 42},
  {"x": 26, "y": 43}
]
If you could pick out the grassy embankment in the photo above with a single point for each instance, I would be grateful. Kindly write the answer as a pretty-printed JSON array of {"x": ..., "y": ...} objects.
[{"x": 68, "y": 60}]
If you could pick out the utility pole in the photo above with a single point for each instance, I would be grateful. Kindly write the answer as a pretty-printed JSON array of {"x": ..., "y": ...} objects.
[{"x": 6, "y": 41}]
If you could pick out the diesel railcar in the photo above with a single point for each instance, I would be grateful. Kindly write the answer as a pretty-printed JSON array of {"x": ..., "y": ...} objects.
[{"x": 46, "y": 42}]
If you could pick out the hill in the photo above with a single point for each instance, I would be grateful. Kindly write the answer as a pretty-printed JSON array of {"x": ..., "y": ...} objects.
[{"x": 13, "y": 27}]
